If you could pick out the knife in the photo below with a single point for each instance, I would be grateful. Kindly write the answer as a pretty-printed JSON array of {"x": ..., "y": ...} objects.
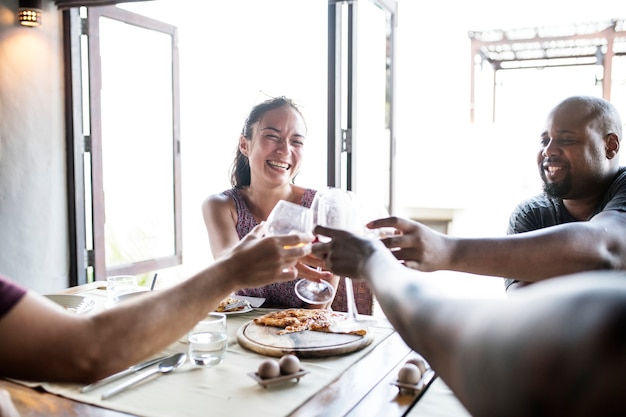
[{"x": 121, "y": 374}]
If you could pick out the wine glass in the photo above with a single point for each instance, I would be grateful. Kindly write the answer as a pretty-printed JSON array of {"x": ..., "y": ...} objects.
[
  {"x": 286, "y": 218},
  {"x": 338, "y": 209},
  {"x": 370, "y": 209}
]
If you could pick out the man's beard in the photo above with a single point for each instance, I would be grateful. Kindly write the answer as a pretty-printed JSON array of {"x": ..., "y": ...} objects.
[{"x": 557, "y": 189}]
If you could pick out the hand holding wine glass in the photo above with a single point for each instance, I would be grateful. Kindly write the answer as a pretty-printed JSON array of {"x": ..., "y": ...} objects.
[
  {"x": 338, "y": 209},
  {"x": 288, "y": 218}
]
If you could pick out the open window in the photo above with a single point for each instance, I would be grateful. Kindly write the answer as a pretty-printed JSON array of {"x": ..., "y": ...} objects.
[
  {"x": 361, "y": 140},
  {"x": 125, "y": 143}
]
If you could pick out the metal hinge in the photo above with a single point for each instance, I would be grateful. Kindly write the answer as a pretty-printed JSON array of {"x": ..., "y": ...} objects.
[
  {"x": 89, "y": 257},
  {"x": 84, "y": 26},
  {"x": 346, "y": 140},
  {"x": 86, "y": 144}
]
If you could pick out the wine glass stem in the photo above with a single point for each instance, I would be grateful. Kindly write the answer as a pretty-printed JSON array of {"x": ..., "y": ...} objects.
[{"x": 352, "y": 310}]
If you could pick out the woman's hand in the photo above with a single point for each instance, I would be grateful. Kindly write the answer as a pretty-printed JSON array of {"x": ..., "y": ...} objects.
[{"x": 308, "y": 268}]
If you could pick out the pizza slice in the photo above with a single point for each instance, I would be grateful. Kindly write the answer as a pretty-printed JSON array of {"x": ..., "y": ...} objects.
[{"x": 299, "y": 319}]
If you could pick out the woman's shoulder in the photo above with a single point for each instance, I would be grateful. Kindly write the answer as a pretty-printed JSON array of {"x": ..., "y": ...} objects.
[{"x": 221, "y": 200}]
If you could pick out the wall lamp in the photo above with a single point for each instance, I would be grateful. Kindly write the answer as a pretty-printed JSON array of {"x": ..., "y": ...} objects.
[{"x": 29, "y": 12}]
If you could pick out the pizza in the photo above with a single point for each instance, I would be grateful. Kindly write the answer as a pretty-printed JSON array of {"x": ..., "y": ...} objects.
[
  {"x": 230, "y": 304},
  {"x": 294, "y": 320}
]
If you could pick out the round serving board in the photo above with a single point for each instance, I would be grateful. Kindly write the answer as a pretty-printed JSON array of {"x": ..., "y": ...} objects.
[{"x": 265, "y": 340}]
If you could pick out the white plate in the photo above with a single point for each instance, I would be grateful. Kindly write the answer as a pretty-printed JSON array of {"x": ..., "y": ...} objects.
[
  {"x": 254, "y": 301},
  {"x": 245, "y": 310},
  {"x": 74, "y": 303}
]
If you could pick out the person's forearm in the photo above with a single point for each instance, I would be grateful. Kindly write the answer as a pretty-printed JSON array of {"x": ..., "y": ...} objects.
[
  {"x": 410, "y": 305},
  {"x": 135, "y": 331},
  {"x": 537, "y": 255},
  {"x": 474, "y": 345}
]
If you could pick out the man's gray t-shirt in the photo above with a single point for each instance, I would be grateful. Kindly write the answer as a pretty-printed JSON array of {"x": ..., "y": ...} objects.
[{"x": 542, "y": 211}]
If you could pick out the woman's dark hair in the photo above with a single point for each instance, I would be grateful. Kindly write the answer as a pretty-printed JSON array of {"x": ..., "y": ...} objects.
[{"x": 240, "y": 170}]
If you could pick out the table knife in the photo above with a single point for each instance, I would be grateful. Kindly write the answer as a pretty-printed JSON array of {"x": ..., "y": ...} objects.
[{"x": 121, "y": 374}]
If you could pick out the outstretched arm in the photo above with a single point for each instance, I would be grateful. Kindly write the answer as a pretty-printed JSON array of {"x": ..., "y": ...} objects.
[
  {"x": 42, "y": 341},
  {"x": 532, "y": 256},
  {"x": 553, "y": 349},
  {"x": 220, "y": 219}
]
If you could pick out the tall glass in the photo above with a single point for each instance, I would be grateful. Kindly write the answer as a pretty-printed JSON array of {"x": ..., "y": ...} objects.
[
  {"x": 286, "y": 218},
  {"x": 339, "y": 209}
]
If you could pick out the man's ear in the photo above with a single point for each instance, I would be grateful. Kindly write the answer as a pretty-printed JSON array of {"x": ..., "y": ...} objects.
[
  {"x": 243, "y": 145},
  {"x": 612, "y": 145}
]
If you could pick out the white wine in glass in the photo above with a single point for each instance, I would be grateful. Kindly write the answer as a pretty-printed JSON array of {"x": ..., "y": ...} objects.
[{"x": 286, "y": 218}]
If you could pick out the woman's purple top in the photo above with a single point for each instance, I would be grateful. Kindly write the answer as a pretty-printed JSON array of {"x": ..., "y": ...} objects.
[
  {"x": 10, "y": 294},
  {"x": 278, "y": 294}
]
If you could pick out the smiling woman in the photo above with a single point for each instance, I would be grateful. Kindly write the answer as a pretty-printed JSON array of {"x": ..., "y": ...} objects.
[
  {"x": 269, "y": 154},
  {"x": 218, "y": 86}
]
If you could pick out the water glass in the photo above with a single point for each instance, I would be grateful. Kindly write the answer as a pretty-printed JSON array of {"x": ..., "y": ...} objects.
[
  {"x": 208, "y": 340},
  {"x": 118, "y": 286}
]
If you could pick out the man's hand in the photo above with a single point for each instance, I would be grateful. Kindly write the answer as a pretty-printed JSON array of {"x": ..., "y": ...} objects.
[
  {"x": 266, "y": 259},
  {"x": 417, "y": 245},
  {"x": 346, "y": 253}
]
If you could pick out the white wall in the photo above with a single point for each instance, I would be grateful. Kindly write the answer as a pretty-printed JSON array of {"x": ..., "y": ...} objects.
[{"x": 33, "y": 209}]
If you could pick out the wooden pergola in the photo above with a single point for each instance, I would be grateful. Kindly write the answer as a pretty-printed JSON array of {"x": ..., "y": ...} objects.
[{"x": 593, "y": 43}]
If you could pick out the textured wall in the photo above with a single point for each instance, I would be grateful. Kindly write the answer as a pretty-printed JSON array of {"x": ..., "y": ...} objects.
[{"x": 33, "y": 212}]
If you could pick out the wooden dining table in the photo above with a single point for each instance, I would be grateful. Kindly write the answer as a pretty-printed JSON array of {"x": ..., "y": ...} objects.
[{"x": 365, "y": 387}]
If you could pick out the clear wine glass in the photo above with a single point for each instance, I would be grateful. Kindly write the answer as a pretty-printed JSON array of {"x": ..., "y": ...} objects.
[
  {"x": 286, "y": 218},
  {"x": 370, "y": 209},
  {"x": 338, "y": 209}
]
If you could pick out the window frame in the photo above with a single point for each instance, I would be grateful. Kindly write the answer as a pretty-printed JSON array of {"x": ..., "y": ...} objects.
[
  {"x": 87, "y": 241},
  {"x": 342, "y": 96}
]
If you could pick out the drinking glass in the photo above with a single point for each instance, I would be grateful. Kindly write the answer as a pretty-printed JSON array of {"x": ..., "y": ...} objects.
[
  {"x": 118, "y": 286},
  {"x": 286, "y": 218},
  {"x": 208, "y": 340}
]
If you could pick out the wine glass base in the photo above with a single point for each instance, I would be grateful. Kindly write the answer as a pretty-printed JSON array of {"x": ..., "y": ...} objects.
[{"x": 314, "y": 292}]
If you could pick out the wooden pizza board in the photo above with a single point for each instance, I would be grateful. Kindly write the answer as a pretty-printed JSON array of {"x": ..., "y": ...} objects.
[{"x": 266, "y": 341}]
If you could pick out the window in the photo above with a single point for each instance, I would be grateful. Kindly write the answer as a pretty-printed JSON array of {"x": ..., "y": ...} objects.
[
  {"x": 131, "y": 158},
  {"x": 127, "y": 157},
  {"x": 361, "y": 137}
]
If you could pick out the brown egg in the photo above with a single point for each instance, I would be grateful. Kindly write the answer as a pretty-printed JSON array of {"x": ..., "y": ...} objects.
[
  {"x": 269, "y": 368},
  {"x": 289, "y": 364},
  {"x": 419, "y": 363},
  {"x": 409, "y": 374}
]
